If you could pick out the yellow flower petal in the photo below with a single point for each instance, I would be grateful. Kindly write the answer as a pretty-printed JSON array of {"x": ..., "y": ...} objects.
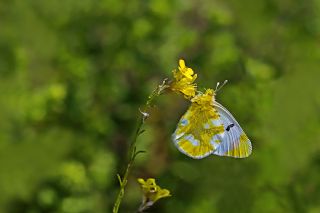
[
  {"x": 189, "y": 72},
  {"x": 141, "y": 181},
  {"x": 182, "y": 64},
  {"x": 162, "y": 193}
]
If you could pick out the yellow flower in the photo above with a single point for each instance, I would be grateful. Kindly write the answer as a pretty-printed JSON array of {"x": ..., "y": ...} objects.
[
  {"x": 151, "y": 192},
  {"x": 183, "y": 80}
]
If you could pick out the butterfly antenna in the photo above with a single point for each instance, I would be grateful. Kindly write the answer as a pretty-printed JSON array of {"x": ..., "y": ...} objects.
[{"x": 218, "y": 84}]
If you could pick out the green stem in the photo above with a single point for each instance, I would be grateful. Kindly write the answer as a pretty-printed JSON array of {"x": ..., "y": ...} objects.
[
  {"x": 124, "y": 180},
  {"x": 133, "y": 152}
]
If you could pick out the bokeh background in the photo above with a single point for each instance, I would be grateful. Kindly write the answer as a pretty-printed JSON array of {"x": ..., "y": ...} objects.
[{"x": 74, "y": 73}]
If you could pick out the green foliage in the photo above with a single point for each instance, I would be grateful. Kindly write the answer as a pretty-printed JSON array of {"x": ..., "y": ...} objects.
[{"x": 74, "y": 73}]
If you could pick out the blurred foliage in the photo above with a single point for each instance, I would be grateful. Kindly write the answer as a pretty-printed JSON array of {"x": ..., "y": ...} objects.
[{"x": 73, "y": 74}]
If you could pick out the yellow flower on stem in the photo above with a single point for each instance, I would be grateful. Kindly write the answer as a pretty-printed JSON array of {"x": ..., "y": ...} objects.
[
  {"x": 151, "y": 193},
  {"x": 183, "y": 80}
]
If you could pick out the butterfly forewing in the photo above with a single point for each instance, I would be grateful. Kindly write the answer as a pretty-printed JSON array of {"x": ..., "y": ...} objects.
[{"x": 235, "y": 142}]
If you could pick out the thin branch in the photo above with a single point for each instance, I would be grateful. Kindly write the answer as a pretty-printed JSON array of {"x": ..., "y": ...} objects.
[{"x": 133, "y": 153}]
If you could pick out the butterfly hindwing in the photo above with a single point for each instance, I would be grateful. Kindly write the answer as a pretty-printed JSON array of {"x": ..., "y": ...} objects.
[
  {"x": 199, "y": 132},
  {"x": 234, "y": 143}
]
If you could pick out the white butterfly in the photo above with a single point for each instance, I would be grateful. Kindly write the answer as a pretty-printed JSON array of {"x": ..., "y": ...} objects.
[{"x": 209, "y": 128}]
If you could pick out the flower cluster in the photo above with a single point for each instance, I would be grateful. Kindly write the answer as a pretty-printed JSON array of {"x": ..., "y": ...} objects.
[
  {"x": 151, "y": 193},
  {"x": 183, "y": 83},
  {"x": 183, "y": 80}
]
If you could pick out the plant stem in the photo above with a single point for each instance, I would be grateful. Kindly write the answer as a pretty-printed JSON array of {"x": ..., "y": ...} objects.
[
  {"x": 132, "y": 150},
  {"x": 124, "y": 180}
]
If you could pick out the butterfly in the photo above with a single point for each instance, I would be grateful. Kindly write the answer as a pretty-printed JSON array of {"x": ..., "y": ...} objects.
[{"x": 209, "y": 128}]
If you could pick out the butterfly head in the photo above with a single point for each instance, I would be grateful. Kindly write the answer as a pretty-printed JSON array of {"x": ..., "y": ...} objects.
[{"x": 205, "y": 99}]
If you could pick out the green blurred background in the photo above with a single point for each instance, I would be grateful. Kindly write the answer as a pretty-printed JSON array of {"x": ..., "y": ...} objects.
[{"x": 74, "y": 73}]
